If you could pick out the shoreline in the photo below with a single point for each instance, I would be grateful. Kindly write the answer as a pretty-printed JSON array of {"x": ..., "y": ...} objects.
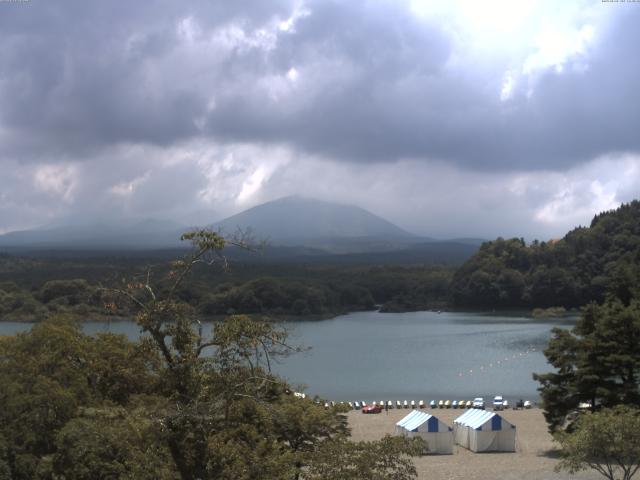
[{"x": 569, "y": 315}]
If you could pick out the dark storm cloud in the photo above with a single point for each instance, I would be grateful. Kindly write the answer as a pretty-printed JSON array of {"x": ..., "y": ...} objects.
[
  {"x": 355, "y": 81},
  {"x": 196, "y": 110},
  {"x": 399, "y": 98},
  {"x": 79, "y": 75}
]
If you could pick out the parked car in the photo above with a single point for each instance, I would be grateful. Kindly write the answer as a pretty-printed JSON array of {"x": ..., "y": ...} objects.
[
  {"x": 498, "y": 402},
  {"x": 372, "y": 409},
  {"x": 478, "y": 402}
]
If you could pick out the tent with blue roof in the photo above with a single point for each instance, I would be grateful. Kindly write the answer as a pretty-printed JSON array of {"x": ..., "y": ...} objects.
[
  {"x": 483, "y": 431},
  {"x": 439, "y": 436}
]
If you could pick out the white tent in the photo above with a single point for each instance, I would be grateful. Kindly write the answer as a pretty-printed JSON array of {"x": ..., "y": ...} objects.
[
  {"x": 482, "y": 431},
  {"x": 438, "y": 435}
]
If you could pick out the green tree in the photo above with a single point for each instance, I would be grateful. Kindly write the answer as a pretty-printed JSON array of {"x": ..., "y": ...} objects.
[
  {"x": 51, "y": 372},
  {"x": 110, "y": 443},
  {"x": 387, "y": 459},
  {"x": 228, "y": 415},
  {"x": 597, "y": 362},
  {"x": 174, "y": 405},
  {"x": 607, "y": 441}
]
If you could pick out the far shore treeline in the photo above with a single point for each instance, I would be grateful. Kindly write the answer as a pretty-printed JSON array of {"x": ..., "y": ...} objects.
[{"x": 588, "y": 264}]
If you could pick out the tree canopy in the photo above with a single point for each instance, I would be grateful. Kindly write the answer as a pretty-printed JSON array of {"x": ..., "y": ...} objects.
[
  {"x": 607, "y": 441},
  {"x": 587, "y": 265},
  {"x": 174, "y": 405},
  {"x": 597, "y": 362}
]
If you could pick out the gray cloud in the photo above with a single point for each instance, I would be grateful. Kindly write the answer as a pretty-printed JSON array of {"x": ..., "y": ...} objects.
[
  {"x": 352, "y": 80},
  {"x": 160, "y": 108}
]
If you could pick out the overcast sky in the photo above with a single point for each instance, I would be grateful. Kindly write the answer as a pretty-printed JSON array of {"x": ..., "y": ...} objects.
[{"x": 468, "y": 118}]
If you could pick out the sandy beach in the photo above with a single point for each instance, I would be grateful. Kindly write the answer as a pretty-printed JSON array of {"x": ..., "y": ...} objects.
[{"x": 535, "y": 458}]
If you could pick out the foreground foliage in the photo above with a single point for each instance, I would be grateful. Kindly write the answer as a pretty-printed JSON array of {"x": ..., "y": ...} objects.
[
  {"x": 178, "y": 404},
  {"x": 387, "y": 459},
  {"x": 607, "y": 441},
  {"x": 597, "y": 362}
]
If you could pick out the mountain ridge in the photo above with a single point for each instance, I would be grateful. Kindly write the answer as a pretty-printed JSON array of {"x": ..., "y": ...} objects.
[
  {"x": 301, "y": 218},
  {"x": 303, "y": 228}
]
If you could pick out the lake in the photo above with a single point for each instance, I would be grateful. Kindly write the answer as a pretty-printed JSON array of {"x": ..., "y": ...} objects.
[{"x": 397, "y": 356}]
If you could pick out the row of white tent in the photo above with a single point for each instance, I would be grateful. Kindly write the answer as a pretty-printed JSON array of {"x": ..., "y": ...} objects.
[{"x": 477, "y": 430}]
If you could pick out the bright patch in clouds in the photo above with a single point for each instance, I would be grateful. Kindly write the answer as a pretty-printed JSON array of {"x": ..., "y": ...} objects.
[
  {"x": 127, "y": 188},
  {"x": 600, "y": 185},
  {"x": 555, "y": 48},
  {"x": 58, "y": 180},
  {"x": 490, "y": 17}
]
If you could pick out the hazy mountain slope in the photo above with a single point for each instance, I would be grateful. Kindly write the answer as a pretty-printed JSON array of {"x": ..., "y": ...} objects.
[
  {"x": 304, "y": 227},
  {"x": 139, "y": 234},
  {"x": 296, "y": 220}
]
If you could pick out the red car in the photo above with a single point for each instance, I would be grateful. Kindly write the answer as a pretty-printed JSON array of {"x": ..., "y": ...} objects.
[{"x": 372, "y": 409}]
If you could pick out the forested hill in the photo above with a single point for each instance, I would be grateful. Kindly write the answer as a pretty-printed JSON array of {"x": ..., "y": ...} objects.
[{"x": 586, "y": 265}]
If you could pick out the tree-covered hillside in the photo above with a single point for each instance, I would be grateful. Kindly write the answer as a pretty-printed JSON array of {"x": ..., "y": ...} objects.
[
  {"x": 588, "y": 264},
  {"x": 32, "y": 289}
]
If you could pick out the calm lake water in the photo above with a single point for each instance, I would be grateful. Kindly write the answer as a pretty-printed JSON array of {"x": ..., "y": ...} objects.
[{"x": 397, "y": 356}]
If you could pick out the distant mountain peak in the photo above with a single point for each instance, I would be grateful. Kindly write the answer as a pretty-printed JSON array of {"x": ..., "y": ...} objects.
[{"x": 297, "y": 217}]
